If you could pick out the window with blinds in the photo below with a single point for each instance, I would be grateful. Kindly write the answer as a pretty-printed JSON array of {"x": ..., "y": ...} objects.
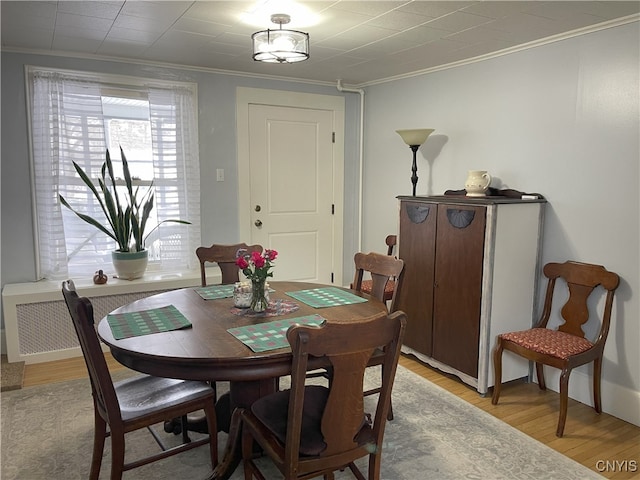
[{"x": 76, "y": 117}]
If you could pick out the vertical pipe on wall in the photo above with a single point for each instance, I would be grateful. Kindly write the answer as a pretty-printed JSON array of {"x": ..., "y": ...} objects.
[{"x": 361, "y": 156}]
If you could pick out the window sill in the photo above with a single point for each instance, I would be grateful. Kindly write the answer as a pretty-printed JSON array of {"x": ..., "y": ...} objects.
[
  {"x": 36, "y": 319},
  {"x": 48, "y": 290}
]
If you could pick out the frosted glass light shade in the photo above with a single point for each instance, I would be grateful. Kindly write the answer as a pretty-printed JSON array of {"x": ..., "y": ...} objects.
[
  {"x": 415, "y": 136},
  {"x": 280, "y": 46}
]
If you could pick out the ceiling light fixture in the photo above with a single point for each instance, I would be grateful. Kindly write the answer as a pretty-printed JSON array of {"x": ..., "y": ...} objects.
[{"x": 282, "y": 45}]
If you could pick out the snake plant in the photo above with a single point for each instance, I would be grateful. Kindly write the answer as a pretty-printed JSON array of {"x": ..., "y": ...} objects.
[{"x": 126, "y": 225}]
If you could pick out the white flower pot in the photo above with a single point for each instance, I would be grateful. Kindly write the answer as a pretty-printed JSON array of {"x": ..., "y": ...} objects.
[{"x": 130, "y": 265}]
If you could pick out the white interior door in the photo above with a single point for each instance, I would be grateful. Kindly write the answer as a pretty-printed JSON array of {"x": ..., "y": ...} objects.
[{"x": 291, "y": 202}]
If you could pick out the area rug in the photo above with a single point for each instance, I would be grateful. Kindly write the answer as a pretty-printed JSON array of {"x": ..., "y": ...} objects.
[{"x": 47, "y": 434}]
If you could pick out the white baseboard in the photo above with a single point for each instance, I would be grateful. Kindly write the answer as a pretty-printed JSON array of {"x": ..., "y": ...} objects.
[{"x": 617, "y": 400}]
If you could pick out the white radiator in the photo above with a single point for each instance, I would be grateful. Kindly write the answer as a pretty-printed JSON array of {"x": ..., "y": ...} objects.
[
  {"x": 46, "y": 326},
  {"x": 38, "y": 327}
]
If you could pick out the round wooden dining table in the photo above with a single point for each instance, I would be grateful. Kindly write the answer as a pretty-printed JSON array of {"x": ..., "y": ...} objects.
[{"x": 207, "y": 351}]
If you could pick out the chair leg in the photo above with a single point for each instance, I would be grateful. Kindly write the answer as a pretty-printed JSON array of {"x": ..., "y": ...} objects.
[
  {"x": 375, "y": 463},
  {"x": 540, "y": 374},
  {"x": 390, "y": 412},
  {"x": 99, "y": 435},
  {"x": 212, "y": 426},
  {"x": 497, "y": 371},
  {"x": 597, "y": 373},
  {"x": 246, "y": 445},
  {"x": 564, "y": 401},
  {"x": 184, "y": 426},
  {"x": 117, "y": 454}
]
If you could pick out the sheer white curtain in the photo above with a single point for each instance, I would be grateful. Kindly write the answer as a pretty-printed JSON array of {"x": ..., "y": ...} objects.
[
  {"x": 176, "y": 171},
  {"x": 67, "y": 124}
]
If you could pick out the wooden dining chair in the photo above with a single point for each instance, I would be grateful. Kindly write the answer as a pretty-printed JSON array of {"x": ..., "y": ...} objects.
[
  {"x": 389, "y": 287},
  {"x": 313, "y": 430},
  {"x": 225, "y": 256},
  {"x": 134, "y": 403},
  {"x": 381, "y": 268},
  {"x": 566, "y": 347}
]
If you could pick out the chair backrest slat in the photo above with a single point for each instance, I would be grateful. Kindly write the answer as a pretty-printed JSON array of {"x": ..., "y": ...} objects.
[
  {"x": 381, "y": 268},
  {"x": 225, "y": 256},
  {"x": 348, "y": 348},
  {"x": 581, "y": 279},
  {"x": 391, "y": 241}
]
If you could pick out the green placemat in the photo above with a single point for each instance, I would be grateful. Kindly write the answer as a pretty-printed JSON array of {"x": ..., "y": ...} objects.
[
  {"x": 271, "y": 335},
  {"x": 133, "y": 324},
  {"x": 213, "y": 292},
  {"x": 326, "y": 297}
]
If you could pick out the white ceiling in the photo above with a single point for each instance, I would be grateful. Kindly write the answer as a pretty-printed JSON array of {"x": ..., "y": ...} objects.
[{"x": 357, "y": 42}]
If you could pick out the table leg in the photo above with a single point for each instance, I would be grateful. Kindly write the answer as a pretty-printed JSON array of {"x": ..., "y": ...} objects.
[
  {"x": 241, "y": 395},
  {"x": 232, "y": 451}
]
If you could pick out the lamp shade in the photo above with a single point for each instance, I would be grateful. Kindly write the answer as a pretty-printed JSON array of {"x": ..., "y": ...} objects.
[
  {"x": 415, "y": 136},
  {"x": 280, "y": 46}
]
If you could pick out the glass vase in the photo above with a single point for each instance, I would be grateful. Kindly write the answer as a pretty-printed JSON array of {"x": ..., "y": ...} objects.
[
  {"x": 242, "y": 294},
  {"x": 259, "y": 299}
]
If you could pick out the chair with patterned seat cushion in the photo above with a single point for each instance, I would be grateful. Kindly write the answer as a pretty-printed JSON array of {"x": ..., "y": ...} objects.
[
  {"x": 134, "y": 403},
  {"x": 225, "y": 257},
  {"x": 313, "y": 430},
  {"x": 566, "y": 347},
  {"x": 391, "y": 283},
  {"x": 382, "y": 269}
]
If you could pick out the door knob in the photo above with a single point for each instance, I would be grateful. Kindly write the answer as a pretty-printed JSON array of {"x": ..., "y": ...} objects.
[{"x": 258, "y": 223}]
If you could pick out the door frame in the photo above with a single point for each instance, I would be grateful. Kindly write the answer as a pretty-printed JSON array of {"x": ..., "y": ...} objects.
[{"x": 246, "y": 96}]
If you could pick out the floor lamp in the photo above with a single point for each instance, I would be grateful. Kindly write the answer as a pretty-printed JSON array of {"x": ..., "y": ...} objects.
[{"x": 414, "y": 138}]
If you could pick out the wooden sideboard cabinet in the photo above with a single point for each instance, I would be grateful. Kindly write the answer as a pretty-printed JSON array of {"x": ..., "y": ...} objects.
[{"x": 471, "y": 272}]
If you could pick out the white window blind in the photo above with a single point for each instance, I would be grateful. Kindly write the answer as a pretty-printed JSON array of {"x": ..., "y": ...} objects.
[{"x": 76, "y": 117}]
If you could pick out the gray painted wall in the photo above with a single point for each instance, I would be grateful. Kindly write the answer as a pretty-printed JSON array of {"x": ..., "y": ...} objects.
[
  {"x": 217, "y": 131},
  {"x": 562, "y": 120}
]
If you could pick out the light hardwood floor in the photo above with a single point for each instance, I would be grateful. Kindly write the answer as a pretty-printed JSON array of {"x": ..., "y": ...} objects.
[{"x": 590, "y": 439}]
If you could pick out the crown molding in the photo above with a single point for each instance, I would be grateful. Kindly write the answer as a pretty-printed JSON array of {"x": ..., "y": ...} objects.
[{"x": 507, "y": 51}]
